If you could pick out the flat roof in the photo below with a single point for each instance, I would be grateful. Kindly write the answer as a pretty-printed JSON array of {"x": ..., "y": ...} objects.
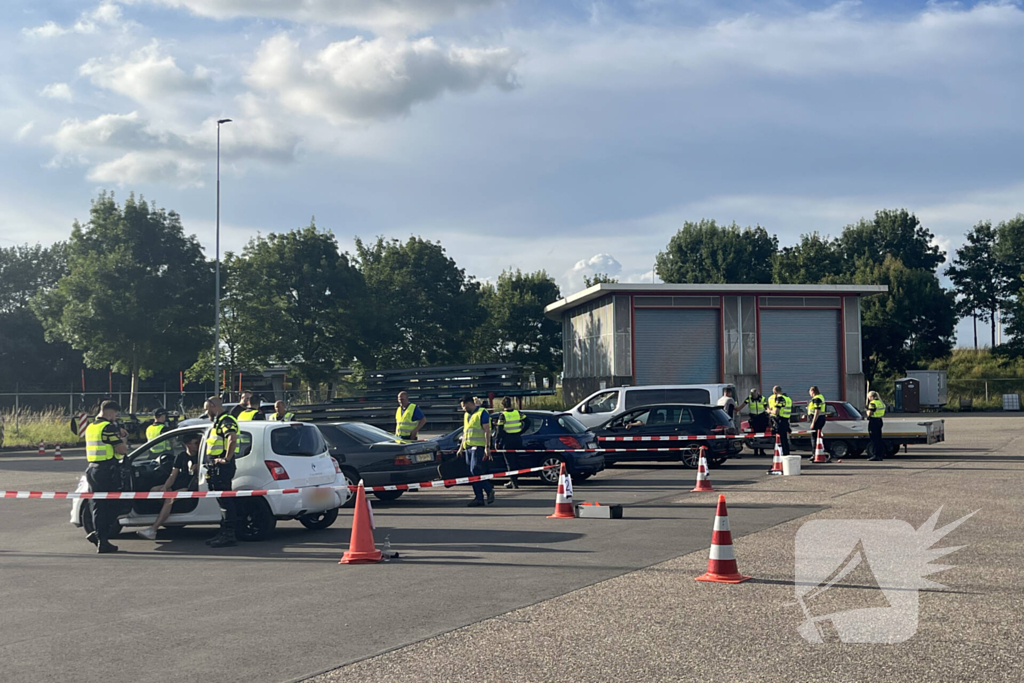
[{"x": 555, "y": 310}]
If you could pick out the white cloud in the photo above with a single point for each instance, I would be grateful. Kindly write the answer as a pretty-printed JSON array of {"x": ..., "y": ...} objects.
[
  {"x": 380, "y": 16},
  {"x": 119, "y": 132},
  {"x": 24, "y": 131},
  {"x": 57, "y": 91},
  {"x": 161, "y": 166},
  {"x": 146, "y": 75},
  {"x": 362, "y": 80},
  {"x": 105, "y": 14},
  {"x": 598, "y": 263}
]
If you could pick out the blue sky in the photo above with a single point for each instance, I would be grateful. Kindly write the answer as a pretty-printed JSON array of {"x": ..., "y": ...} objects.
[{"x": 570, "y": 136}]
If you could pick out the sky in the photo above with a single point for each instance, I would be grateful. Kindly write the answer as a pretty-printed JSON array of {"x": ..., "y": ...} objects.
[{"x": 574, "y": 136}]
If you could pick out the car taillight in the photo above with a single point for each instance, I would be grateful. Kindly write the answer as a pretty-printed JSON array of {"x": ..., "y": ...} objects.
[
  {"x": 569, "y": 441},
  {"x": 403, "y": 460},
  {"x": 337, "y": 467},
  {"x": 278, "y": 472}
]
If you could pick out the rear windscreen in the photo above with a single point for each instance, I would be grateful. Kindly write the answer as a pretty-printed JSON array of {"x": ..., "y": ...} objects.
[
  {"x": 297, "y": 440},
  {"x": 647, "y": 397}
]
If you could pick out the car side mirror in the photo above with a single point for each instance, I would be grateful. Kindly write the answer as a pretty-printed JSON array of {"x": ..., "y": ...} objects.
[{"x": 584, "y": 408}]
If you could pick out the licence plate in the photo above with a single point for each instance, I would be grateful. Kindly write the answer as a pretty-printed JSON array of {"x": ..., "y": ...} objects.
[{"x": 423, "y": 457}]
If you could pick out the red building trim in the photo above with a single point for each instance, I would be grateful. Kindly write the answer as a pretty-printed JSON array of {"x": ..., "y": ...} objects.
[
  {"x": 842, "y": 347},
  {"x": 757, "y": 324}
]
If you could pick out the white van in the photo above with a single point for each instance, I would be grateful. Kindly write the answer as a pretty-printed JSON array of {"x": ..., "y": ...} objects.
[{"x": 607, "y": 403}]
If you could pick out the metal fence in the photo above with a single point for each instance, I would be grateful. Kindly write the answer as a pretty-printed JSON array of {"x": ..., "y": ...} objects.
[{"x": 986, "y": 392}]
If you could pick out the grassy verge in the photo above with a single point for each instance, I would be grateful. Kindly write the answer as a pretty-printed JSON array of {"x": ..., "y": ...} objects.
[{"x": 53, "y": 427}]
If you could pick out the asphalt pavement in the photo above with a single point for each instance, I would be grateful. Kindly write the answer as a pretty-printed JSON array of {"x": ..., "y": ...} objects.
[{"x": 284, "y": 609}]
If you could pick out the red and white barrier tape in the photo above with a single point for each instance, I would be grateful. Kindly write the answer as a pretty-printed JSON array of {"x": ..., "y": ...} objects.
[
  {"x": 708, "y": 437},
  {"x": 158, "y": 495},
  {"x": 546, "y": 450}
]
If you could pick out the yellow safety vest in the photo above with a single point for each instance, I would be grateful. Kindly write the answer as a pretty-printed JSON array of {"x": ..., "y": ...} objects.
[
  {"x": 877, "y": 406},
  {"x": 154, "y": 430},
  {"x": 215, "y": 440},
  {"x": 513, "y": 421},
  {"x": 473, "y": 429},
  {"x": 784, "y": 403},
  {"x": 818, "y": 401},
  {"x": 247, "y": 415},
  {"x": 404, "y": 424},
  {"x": 757, "y": 406},
  {"x": 96, "y": 450},
  {"x": 288, "y": 417}
]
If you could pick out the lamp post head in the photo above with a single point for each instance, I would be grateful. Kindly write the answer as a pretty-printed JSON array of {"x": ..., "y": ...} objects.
[{"x": 220, "y": 121}]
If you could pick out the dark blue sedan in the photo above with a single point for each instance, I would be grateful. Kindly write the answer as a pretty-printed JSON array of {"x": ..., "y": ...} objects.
[{"x": 557, "y": 434}]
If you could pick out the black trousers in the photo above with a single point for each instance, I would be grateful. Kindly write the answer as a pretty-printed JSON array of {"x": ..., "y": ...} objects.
[
  {"x": 875, "y": 431},
  {"x": 103, "y": 476},
  {"x": 780, "y": 425},
  {"x": 218, "y": 478},
  {"x": 512, "y": 442},
  {"x": 759, "y": 423}
]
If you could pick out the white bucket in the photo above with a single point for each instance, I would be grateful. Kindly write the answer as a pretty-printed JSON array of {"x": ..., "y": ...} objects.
[{"x": 790, "y": 465}]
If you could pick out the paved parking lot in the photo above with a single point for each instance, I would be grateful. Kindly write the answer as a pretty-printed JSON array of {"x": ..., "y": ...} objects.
[{"x": 506, "y": 594}]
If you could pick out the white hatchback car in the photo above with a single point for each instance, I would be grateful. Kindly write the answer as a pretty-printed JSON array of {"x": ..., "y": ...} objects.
[{"x": 270, "y": 455}]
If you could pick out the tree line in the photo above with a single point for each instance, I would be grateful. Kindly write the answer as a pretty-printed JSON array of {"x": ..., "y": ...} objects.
[{"x": 131, "y": 291}]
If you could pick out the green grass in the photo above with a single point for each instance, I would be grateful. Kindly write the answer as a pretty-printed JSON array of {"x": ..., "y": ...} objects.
[
  {"x": 553, "y": 402},
  {"x": 51, "y": 426}
]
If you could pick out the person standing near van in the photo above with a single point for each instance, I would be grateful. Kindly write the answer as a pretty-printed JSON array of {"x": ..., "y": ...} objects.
[
  {"x": 876, "y": 411},
  {"x": 781, "y": 408},
  {"x": 758, "y": 408}
]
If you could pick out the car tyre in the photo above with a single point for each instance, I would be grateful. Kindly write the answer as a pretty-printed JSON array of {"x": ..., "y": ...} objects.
[
  {"x": 319, "y": 520},
  {"x": 892, "y": 449},
  {"x": 550, "y": 476},
  {"x": 388, "y": 496},
  {"x": 691, "y": 458},
  {"x": 352, "y": 479},
  {"x": 839, "y": 448},
  {"x": 717, "y": 460},
  {"x": 255, "y": 521}
]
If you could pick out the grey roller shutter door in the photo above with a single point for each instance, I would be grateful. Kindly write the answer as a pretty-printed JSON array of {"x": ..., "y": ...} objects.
[
  {"x": 678, "y": 346},
  {"x": 800, "y": 349}
]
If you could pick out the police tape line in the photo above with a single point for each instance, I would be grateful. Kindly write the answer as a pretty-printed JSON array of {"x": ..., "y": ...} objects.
[
  {"x": 707, "y": 437},
  {"x": 159, "y": 495}
]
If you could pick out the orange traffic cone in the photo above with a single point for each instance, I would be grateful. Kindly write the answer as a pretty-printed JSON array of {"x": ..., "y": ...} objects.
[
  {"x": 56, "y": 453},
  {"x": 361, "y": 548},
  {"x": 777, "y": 458},
  {"x": 563, "y": 499},
  {"x": 819, "y": 450},
  {"x": 722, "y": 562},
  {"x": 42, "y": 448},
  {"x": 703, "y": 483}
]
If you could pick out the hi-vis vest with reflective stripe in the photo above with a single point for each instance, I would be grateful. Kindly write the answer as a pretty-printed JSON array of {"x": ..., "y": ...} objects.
[
  {"x": 513, "y": 421},
  {"x": 818, "y": 401},
  {"x": 215, "y": 440},
  {"x": 95, "y": 449},
  {"x": 247, "y": 415},
  {"x": 154, "y": 430},
  {"x": 404, "y": 424},
  {"x": 877, "y": 406},
  {"x": 784, "y": 403},
  {"x": 288, "y": 417},
  {"x": 757, "y": 406},
  {"x": 473, "y": 429}
]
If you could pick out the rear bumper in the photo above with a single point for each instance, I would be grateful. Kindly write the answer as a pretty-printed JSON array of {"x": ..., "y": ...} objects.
[
  {"x": 587, "y": 463},
  {"x": 406, "y": 475},
  {"x": 310, "y": 499}
]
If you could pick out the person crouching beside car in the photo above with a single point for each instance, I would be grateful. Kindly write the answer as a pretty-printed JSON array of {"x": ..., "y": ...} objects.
[{"x": 183, "y": 473}]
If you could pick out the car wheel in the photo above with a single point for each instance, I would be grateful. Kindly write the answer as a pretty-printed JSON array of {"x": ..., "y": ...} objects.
[
  {"x": 839, "y": 449},
  {"x": 388, "y": 496},
  {"x": 319, "y": 520},
  {"x": 255, "y": 521},
  {"x": 891, "y": 449},
  {"x": 691, "y": 457},
  {"x": 550, "y": 475},
  {"x": 717, "y": 460},
  {"x": 352, "y": 479},
  {"x": 582, "y": 476}
]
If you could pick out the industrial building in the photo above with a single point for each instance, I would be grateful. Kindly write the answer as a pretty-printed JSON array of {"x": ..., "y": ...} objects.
[{"x": 794, "y": 336}]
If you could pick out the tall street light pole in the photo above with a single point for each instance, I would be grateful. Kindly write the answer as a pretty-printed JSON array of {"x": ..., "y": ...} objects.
[{"x": 216, "y": 319}]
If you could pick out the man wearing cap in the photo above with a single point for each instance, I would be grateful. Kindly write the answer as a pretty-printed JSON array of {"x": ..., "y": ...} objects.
[
  {"x": 103, "y": 448},
  {"x": 476, "y": 444},
  {"x": 409, "y": 419}
]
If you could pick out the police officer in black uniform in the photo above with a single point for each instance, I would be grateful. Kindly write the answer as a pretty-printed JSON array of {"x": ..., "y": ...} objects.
[
  {"x": 221, "y": 443},
  {"x": 103, "y": 449}
]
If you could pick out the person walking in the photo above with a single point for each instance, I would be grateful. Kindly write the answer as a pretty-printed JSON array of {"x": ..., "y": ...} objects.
[
  {"x": 781, "y": 408},
  {"x": 221, "y": 442},
  {"x": 154, "y": 430},
  {"x": 758, "y": 410},
  {"x": 476, "y": 445},
  {"x": 409, "y": 419},
  {"x": 183, "y": 473},
  {"x": 817, "y": 418},
  {"x": 510, "y": 438},
  {"x": 281, "y": 413},
  {"x": 876, "y": 411},
  {"x": 103, "y": 446}
]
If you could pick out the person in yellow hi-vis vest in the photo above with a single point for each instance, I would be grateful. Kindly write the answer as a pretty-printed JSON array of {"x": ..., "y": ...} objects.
[
  {"x": 221, "y": 441},
  {"x": 409, "y": 419},
  {"x": 876, "y": 411},
  {"x": 103, "y": 447},
  {"x": 154, "y": 430},
  {"x": 510, "y": 438},
  {"x": 781, "y": 408},
  {"x": 476, "y": 445}
]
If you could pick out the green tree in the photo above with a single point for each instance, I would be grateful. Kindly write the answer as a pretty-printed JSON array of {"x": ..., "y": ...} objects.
[
  {"x": 423, "y": 309},
  {"x": 979, "y": 277},
  {"x": 598, "y": 278},
  {"x": 136, "y": 296},
  {"x": 705, "y": 252},
  {"x": 293, "y": 299},
  {"x": 1010, "y": 254},
  {"x": 895, "y": 233},
  {"x": 516, "y": 329},
  {"x": 814, "y": 259}
]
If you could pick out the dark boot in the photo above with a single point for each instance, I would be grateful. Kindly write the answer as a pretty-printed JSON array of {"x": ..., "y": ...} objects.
[
  {"x": 222, "y": 540},
  {"x": 105, "y": 547},
  {"x": 93, "y": 538}
]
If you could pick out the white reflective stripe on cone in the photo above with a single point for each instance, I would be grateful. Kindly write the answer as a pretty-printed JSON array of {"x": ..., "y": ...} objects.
[
  {"x": 721, "y": 524},
  {"x": 722, "y": 552}
]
